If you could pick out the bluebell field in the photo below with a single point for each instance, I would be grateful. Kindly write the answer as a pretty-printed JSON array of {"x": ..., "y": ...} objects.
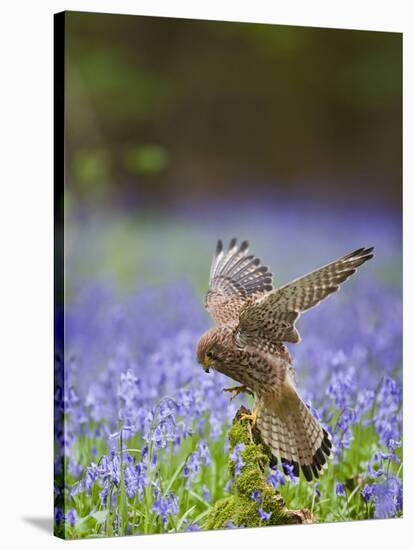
[{"x": 141, "y": 430}]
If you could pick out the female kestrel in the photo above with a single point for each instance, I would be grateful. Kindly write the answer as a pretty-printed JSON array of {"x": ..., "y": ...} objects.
[{"x": 253, "y": 321}]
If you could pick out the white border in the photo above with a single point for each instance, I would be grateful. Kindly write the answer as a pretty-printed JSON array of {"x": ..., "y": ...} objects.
[{"x": 26, "y": 261}]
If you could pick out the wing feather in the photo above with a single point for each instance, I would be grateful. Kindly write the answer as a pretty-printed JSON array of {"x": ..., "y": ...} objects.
[
  {"x": 235, "y": 278},
  {"x": 272, "y": 318}
]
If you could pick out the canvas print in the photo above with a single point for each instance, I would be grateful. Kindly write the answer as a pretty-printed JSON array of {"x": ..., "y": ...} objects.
[{"x": 214, "y": 183}]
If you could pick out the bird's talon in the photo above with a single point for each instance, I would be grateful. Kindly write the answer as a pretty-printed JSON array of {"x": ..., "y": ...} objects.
[
  {"x": 252, "y": 417},
  {"x": 236, "y": 390}
]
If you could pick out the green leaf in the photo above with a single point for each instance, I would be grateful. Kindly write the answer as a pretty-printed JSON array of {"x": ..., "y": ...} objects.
[
  {"x": 173, "y": 478},
  {"x": 182, "y": 519},
  {"x": 198, "y": 497},
  {"x": 100, "y": 516}
]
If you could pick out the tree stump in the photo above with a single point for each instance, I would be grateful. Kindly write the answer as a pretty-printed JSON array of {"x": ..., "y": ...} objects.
[{"x": 240, "y": 509}]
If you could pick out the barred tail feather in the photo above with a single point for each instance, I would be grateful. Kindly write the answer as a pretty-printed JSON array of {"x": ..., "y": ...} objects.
[{"x": 295, "y": 438}]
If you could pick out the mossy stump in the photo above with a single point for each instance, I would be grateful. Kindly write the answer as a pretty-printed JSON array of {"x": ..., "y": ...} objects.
[{"x": 240, "y": 509}]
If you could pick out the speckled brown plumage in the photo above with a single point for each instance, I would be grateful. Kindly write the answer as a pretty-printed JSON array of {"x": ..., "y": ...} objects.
[{"x": 253, "y": 322}]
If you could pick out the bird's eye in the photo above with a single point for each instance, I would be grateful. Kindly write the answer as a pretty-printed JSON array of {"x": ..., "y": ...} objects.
[{"x": 209, "y": 354}]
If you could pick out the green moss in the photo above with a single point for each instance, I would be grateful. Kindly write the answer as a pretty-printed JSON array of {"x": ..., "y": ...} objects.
[
  {"x": 239, "y": 508},
  {"x": 239, "y": 433}
]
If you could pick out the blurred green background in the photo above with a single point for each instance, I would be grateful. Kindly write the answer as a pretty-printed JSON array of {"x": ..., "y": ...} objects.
[{"x": 160, "y": 108}]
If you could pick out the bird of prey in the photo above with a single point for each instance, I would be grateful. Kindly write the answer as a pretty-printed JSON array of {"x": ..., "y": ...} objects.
[{"x": 254, "y": 320}]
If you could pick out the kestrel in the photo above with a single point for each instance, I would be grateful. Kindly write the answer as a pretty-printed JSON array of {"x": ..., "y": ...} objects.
[{"x": 253, "y": 322}]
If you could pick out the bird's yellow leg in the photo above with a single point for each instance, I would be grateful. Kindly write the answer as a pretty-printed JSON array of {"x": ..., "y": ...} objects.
[{"x": 236, "y": 390}]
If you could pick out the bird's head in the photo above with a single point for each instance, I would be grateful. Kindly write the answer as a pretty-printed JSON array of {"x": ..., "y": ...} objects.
[{"x": 209, "y": 350}]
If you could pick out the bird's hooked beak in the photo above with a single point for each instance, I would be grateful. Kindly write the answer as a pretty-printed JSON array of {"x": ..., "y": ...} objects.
[{"x": 206, "y": 365}]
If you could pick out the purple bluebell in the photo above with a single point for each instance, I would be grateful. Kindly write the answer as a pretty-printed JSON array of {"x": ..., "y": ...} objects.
[
  {"x": 165, "y": 506},
  {"x": 276, "y": 478},
  {"x": 340, "y": 490},
  {"x": 58, "y": 515},
  {"x": 230, "y": 525},
  {"x": 236, "y": 457},
  {"x": 71, "y": 517},
  {"x": 228, "y": 486},
  {"x": 367, "y": 492},
  {"x": 384, "y": 502},
  {"x": 289, "y": 469},
  {"x": 206, "y": 494},
  {"x": 190, "y": 527},
  {"x": 264, "y": 516}
]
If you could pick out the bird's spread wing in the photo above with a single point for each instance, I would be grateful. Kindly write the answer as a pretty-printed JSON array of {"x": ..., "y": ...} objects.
[
  {"x": 235, "y": 277},
  {"x": 271, "y": 319}
]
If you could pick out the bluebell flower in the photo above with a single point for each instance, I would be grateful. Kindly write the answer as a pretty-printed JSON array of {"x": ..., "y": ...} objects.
[
  {"x": 346, "y": 419},
  {"x": 103, "y": 495},
  {"x": 387, "y": 497},
  {"x": 194, "y": 463},
  {"x": 204, "y": 453},
  {"x": 341, "y": 387},
  {"x": 167, "y": 408},
  {"x": 289, "y": 469},
  {"x": 71, "y": 517},
  {"x": 142, "y": 479},
  {"x": 276, "y": 478},
  {"x": 58, "y": 515},
  {"x": 190, "y": 527},
  {"x": 159, "y": 437},
  {"x": 124, "y": 431},
  {"x": 228, "y": 486},
  {"x": 340, "y": 490},
  {"x": 236, "y": 457},
  {"x": 206, "y": 494},
  {"x": 256, "y": 496},
  {"x": 367, "y": 492},
  {"x": 264, "y": 516},
  {"x": 230, "y": 525},
  {"x": 216, "y": 426},
  {"x": 165, "y": 506},
  {"x": 384, "y": 502},
  {"x": 186, "y": 430},
  {"x": 201, "y": 456},
  {"x": 375, "y": 466},
  {"x": 365, "y": 399}
]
